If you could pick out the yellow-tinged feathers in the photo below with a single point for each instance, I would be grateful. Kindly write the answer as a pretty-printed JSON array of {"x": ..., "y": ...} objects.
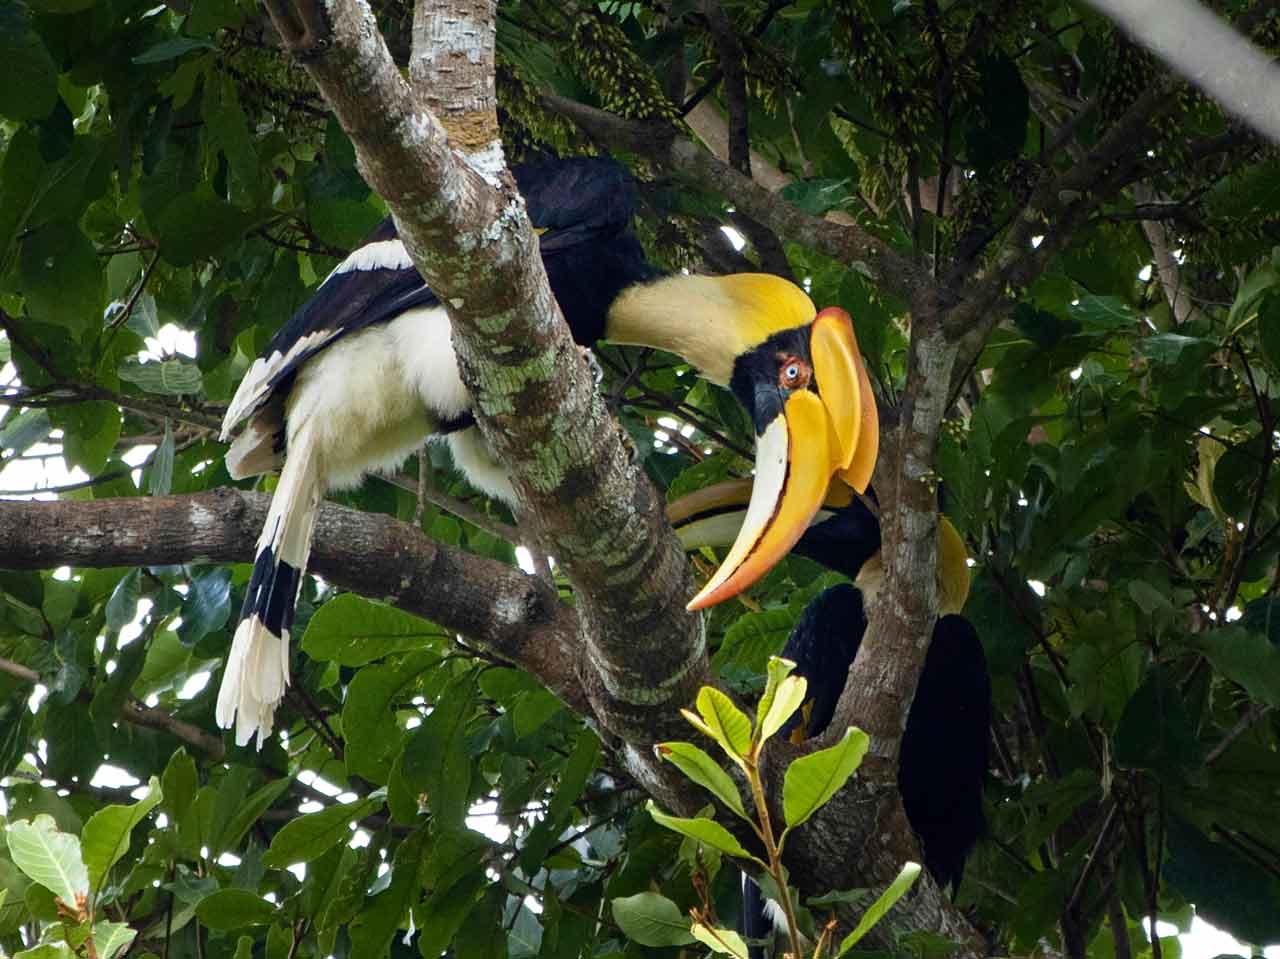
[
  {"x": 708, "y": 320},
  {"x": 953, "y": 568}
]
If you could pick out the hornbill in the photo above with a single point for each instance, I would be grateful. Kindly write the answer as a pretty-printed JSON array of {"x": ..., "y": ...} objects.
[
  {"x": 942, "y": 762},
  {"x": 365, "y": 371}
]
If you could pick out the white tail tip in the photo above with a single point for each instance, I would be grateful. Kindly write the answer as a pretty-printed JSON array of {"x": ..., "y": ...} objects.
[{"x": 254, "y": 681}]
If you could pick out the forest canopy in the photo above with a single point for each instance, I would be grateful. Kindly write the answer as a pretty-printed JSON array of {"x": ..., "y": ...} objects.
[{"x": 1062, "y": 265}]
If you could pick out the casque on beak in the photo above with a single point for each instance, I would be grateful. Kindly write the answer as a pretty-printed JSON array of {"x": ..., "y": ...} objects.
[{"x": 815, "y": 418}]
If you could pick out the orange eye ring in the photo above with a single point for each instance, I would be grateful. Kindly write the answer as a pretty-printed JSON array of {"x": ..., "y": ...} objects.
[{"x": 793, "y": 372}]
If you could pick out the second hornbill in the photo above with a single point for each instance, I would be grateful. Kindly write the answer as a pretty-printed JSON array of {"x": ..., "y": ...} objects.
[
  {"x": 942, "y": 762},
  {"x": 365, "y": 371}
]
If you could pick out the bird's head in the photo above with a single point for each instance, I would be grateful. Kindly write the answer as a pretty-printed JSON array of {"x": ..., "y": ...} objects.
[
  {"x": 810, "y": 401},
  {"x": 798, "y": 373}
]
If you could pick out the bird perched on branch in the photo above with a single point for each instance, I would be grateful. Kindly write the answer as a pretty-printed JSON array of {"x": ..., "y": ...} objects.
[
  {"x": 942, "y": 763},
  {"x": 365, "y": 371}
]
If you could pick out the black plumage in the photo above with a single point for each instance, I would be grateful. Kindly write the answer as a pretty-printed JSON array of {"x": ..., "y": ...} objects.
[
  {"x": 942, "y": 761},
  {"x": 942, "y": 764}
]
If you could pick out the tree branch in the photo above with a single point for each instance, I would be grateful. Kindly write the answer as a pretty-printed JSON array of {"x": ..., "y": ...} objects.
[
  {"x": 846, "y": 242},
  {"x": 639, "y": 653},
  {"x": 499, "y": 608}
]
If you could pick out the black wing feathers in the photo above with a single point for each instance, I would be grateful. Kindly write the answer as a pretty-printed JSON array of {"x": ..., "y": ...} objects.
[
  {"x": 585, "y": 205},
  {"x": 943, "y": 761}
]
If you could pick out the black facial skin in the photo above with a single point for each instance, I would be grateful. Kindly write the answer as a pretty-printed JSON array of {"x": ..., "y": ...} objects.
[{"x": 757, "y": 374}]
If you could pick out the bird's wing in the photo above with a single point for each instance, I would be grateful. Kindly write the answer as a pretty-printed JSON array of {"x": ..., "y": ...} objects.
[
  {"x": 375, "y": 284},
  {"x": 583, "y": 208}
]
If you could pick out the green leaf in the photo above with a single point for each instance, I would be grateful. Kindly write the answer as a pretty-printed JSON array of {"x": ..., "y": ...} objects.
[
  {"x": 106, "y": 835},
  {"x": 1257, "y": 283},
  {"x": 165, "y": 377},
  {"x": 90, "y": 433},
  {"x": 1229, "y": 890},
  {"x": 813, "y": 779},
  {"x": 247, "y": 812},
  {"x": 724, "y": 941},
  {"x": 1269, "y": 329},
  {"x": 352, "y": 631},
  {"x": 198, "y": 225},
  {"x": 651, "y": 920},
  {"x": 48, "y": 950},
  {"x": 30, "y": 87},
  {"x": 1244, "y": 657},
  {"x": 1102, "y": 313},
  {"x": 703, "y": 770},
  {"x": 1155, "y": 732},
  {"x": 723, "y": 721},
  {"x": 706, "y": 831},
  {"x": 235, "y": 908},
  {"x": 787, "y": 698},
  {"x": 49, "y": 857},
  {"x": 111, "y": 938},
  {"x": 179, "y": 783},
  {"x": 171, "y": 49},
  {"x": 123, "y": 604},
  {"x": 435, "y": 758},
  {"x": 368, "y": 715},
  {"x": 311, "y": 836},
  {"x": 897, "y": 889},
  {"x": 160, "y": 481},
  {"x": 207, "y": 606},
  {"x": 371, "y": 931},
  {"x": 62, "y": 277}
]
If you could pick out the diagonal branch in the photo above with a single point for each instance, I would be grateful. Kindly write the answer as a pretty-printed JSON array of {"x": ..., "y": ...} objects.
[
  {"x": 847, "y": 242},
  {"x": 639, "y": 653}
]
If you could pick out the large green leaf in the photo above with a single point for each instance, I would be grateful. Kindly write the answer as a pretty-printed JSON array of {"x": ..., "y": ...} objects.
[
  {"x": 353, "y": 631},
  {"x": 30, "y": 87},
  {"x": 435, "y": 757},
  {"x": 705, "y": 771},
  {"x": 48, "y": 856},
  {"x": 724, "y": 722},
  {"x": 167, "y": 377},
  {"x": 896, "y": 890},
  {"x": 651, "y": 920},
  {"x": 62, "y": 277},
  {"x": 724, "y": 941},
  {"x": 107, "y": 834},
  {"x": 706, "y": 831},
  {"x": 1245, "y": 657},
  {"x": 813, "y": 779},
  {"x": 311, "y": 836},
  {"x": 234, "y": 909},
  {"x": 368, "y": 715}
]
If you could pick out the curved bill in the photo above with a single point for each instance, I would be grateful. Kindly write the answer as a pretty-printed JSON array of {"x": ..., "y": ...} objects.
[
  {"x": 793, "y": 469},
  {"x": 818, "y": 434},
  {"x": 712, "y": 516},
  {"x": 846, "y": 391}
]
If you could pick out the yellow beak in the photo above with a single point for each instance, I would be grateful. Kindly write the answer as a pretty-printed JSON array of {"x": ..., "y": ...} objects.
[{"x": 818, "y": 435}]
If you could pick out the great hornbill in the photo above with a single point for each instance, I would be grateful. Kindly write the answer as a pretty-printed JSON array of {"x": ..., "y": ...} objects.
[
  {"x": 942, "y": 762},
  {"x": 365, "y": 371}
]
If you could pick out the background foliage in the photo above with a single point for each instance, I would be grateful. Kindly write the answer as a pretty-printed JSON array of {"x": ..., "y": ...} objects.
[{"x": 1111, "y": 462}]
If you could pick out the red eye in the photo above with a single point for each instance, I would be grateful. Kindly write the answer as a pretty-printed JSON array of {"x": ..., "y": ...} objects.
[{"x": 793, "y": 373}]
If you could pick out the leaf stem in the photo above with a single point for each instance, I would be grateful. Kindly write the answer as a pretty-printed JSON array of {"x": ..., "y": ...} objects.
[{"x": 773, "y": 850}]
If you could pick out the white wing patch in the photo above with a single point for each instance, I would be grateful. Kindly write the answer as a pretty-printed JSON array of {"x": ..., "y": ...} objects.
[
  {"x": 383, "y": 255},
  {"x": 255, "y": 388}
]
